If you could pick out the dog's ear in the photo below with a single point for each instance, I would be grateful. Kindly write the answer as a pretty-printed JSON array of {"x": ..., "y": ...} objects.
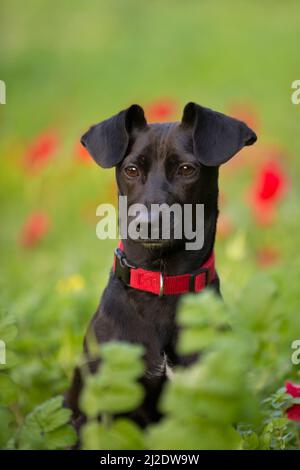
[
  {"x": 108, "y": 141},
  {"x": 216, "y": 137}
]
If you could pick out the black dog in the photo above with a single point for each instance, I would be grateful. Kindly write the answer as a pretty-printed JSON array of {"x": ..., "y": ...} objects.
[{"x": 169, "y": 163}]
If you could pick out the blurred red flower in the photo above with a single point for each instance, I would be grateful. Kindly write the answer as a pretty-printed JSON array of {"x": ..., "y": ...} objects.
[
  {"x": 160, "y": 110},
  {"x": 82, "y": 154},
  {"x": 34, "y": 229},
  {"x": 293, "y": 412},
  {"x": 269, "y": 187},
  {"x": 270, "y": 183},
  {"x": 267, "y": 257},
  {"x": 41, "y": 150}
]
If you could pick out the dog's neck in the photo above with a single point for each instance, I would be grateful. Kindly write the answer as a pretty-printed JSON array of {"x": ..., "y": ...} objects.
[{"x": 175, "y": 259}]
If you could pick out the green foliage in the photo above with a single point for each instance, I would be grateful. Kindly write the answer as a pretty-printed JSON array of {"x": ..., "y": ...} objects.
[
  {"x": 220, "y": 402},
  {"x": 274, "y": 431},
  {"x": 121, "y": 434},
  {"x": 204, "y": 401},
  {"x": 7, "y": 426},
  {"x": 232, "y": 397},
  {"x": 113, "y": 389},
  {"x": 46, "y": 427},
  {"x": 191, "y": 435}
]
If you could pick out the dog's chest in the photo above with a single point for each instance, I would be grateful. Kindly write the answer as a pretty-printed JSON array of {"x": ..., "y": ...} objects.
[
  {"x": 162, "y": 368},
  {"x": 159, "y": 321}
]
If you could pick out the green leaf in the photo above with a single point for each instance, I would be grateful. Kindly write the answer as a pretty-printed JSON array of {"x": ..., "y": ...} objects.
[
  {"x": 60, "y": 438},
  {"x": 113, "y": 389},
  {"x": 121, "y": 359},
  {"x": 201, "y": 311},
  {"x": 47, "y": 427},
  {"x": 250, "y": 441},
  {"x": 196, "y": 339},
  {"x": 196, "y": 434},
  {"x": 122, "y": 434},
  {"x": 102, "y": 394}
]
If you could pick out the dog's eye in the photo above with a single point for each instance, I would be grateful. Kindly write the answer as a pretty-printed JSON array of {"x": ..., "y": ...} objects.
[
  {"x": 131, "y": 171},
  {"x": 186, "y": 169}
]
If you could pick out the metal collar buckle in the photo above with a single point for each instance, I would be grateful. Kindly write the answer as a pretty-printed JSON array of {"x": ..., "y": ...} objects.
[
  {"x": 161, "y": 284},
  {"x": 161, "y": 278},
  {"x": 122, "y": 267}
]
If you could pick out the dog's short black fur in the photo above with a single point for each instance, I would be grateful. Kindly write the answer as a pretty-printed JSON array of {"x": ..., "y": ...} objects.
[{"x": 170, "y": 163}]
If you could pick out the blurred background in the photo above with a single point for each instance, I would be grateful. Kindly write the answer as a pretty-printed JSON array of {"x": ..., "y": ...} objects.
[{"x": 70, "y": 64}]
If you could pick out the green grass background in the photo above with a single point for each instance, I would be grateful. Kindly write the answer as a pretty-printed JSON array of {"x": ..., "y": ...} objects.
[{"x": 72, "y": 63}]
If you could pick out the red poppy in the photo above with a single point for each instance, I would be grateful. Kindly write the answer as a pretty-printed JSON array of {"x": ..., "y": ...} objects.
[
  {"x": 162, "y": 109},
  {"x": 41, "y": 150},
  {"x": 269, "y": 187},
  {"x": 35, "y": 228},
  {"x": 270, "y": 182},
  {"x": 267, "y": 257},
  {"x": 82, "y": 154},
  {"x": 293, "y": 412}
]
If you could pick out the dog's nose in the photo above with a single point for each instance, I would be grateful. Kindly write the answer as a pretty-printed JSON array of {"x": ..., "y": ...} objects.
[
  {"x": 156, "y": 224},
  {"x": 148, "y": 220}
]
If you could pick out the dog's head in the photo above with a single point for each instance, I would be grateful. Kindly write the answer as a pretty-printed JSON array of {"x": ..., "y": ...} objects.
[{"x": 170, "y": 162}]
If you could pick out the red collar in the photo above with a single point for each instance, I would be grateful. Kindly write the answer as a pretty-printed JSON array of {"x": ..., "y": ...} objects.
[{"x": 158, "y": 283}]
